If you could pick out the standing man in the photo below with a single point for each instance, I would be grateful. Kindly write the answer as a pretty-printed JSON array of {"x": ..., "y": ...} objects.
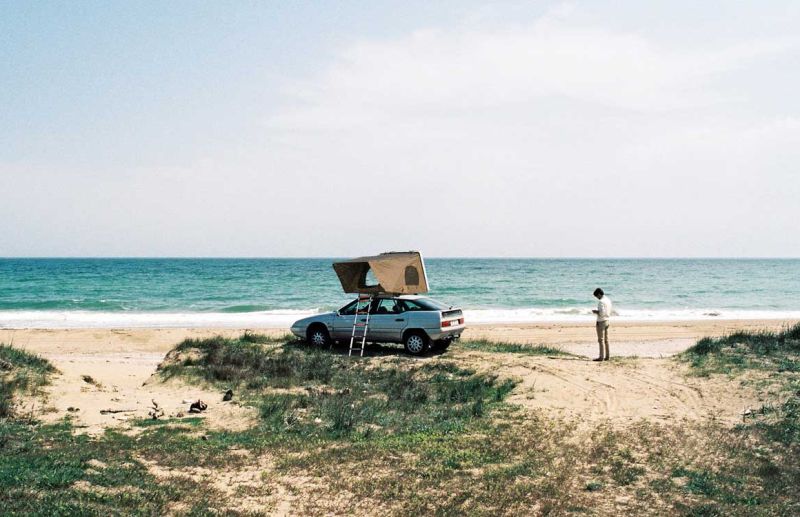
[{"x": 603, "y": 312}]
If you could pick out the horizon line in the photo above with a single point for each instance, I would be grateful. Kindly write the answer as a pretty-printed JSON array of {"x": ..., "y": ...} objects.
[{"x": 319, "y": 257}]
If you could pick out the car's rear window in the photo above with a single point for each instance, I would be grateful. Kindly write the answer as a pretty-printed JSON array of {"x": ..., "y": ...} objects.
[{"x": 427, "y": 304}]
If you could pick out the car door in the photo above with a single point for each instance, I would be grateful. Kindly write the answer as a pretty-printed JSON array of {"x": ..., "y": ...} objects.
[
  {"x": 386, "y": 322},
  {"x": 344, "y": 319}
]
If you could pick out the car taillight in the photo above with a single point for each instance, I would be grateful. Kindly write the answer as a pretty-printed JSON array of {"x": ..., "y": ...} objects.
[{"x": 450, "y": 323}]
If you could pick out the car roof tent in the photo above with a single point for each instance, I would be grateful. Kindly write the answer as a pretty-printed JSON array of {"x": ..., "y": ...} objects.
[{"x": 396, "y": 273}]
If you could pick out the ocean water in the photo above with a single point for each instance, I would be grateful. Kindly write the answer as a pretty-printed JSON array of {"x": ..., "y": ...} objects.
[{"x": 63, "y": 293}]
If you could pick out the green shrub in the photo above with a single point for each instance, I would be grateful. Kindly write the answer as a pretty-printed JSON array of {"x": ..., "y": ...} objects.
[
  {"x": 247, "y": 361},
  {"x": 20, "y": 372},
  {"x": 765, "y": 350},
  {"x": 759, "y": 342},
  {"x": 784, "y": 427}
]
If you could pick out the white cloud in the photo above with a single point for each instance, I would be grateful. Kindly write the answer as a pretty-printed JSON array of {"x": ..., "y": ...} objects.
[
  {"x": 447, "y": 71},
  {"x": 536, "y": 126},
  {"x": 560, "y": 136}
]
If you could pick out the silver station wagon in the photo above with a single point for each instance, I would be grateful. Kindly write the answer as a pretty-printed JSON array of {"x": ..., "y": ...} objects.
[{"x": 418, "y": 322}]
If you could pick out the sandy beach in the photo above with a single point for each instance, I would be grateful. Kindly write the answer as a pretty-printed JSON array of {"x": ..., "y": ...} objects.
[
  {"x": 120, "y": 364},
  {"x": 645, "y": 339}
]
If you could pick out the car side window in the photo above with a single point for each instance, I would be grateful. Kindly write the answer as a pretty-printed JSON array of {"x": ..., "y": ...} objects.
[
  {"x": 387, "y": 306},
  {"x": 409, "y": 305}
]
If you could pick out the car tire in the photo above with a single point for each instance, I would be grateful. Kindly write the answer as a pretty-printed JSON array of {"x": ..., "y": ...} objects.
[
  {"x": 442, "y": 344},
  {"x": 416, "y": 343},
  {"x": 318, "y": 336}
]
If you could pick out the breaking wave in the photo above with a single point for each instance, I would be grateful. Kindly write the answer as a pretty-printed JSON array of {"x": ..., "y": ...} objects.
[{"x": 284, "y": 318}]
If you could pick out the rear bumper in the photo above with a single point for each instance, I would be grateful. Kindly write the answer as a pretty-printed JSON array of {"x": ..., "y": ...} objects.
[{"x": 437, "y": 334}]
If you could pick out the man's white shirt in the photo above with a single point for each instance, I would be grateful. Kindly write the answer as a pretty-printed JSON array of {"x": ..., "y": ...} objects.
[{"x": 603, "y": 309}]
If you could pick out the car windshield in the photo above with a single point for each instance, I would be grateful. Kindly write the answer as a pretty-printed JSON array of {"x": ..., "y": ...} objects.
[
  {"x": 350, "y": 308},
  {"x": 431, "y": 304}
]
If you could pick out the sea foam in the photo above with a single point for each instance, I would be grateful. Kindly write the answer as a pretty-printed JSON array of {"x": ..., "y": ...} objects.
[{"x": 284, "y": 318}]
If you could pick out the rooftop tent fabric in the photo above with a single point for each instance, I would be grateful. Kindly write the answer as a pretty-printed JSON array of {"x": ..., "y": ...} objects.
[{"x": 395, "y": 272}]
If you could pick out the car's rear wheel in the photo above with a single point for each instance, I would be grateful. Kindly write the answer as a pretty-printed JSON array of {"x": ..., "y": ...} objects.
[
  {"x": 442, "y": 344},
  {"x": 416, "y": 343},
  {"x": 318, "y": 336}
]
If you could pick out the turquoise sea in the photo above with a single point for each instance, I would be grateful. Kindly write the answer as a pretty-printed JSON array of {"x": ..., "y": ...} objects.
[{"x": 274, "y": 292}]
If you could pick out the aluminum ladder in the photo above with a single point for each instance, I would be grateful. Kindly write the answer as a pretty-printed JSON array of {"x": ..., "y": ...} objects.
[{"x": 360, "y": 328}]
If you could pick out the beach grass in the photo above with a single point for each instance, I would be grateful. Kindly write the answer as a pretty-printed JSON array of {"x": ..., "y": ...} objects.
[
  {"x": 762, "y": 342},
  {"x": 739, "y": 351},
  {"x": 486, "y": 345},
  {"x": 487, "y": 457},
  {"x": 246, "y": 362},
  {"x": 50, "y": 470},
  {"x": 775, "y": 356},
  {"x": 397, "y": 435},
  {"x": 21, "y": 373},
  {"x": 318, "y": 412},
  {"x": 766, "y": 444},
  {"x": 332, "y": 395}
]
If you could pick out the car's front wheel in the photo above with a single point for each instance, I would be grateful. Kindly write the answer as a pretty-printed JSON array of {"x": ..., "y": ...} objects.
[
  {"x": 318, "y": 336},
  {"x": 416, "y": 343}
]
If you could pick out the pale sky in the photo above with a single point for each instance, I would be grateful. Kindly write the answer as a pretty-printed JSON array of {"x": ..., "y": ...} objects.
[{"x": 536, "y": 129}]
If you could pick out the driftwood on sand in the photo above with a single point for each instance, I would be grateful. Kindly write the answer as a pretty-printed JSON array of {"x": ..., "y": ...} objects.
[{"x": 198, "y": 406}]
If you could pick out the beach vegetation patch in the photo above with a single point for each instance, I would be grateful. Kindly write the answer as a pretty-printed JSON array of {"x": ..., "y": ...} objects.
[
  {"x": 767, "y": 442},
  {"x": 367, "y": 402},
  {"x": 781, "y": 422},
  {"x": 746, "y": 350},
  {"x": 775, "y": 356},
  {"x": 253, "y": 337},
  {"x": 761, "y": 342},
  {"x": 49, "y": 470},
  {"x": 701, "y": 468},
  {"x": 486, "y": 345},
  {"x": 325, "y": 394},
  {"x": 245, "y": 361},
  {"x": 21, "y": 373}
]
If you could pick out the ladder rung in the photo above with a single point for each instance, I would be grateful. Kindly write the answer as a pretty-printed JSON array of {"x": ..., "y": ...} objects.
[{"x": 358, "y": 338}]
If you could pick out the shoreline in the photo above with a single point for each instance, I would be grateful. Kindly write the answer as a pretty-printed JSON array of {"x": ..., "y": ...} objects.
[{"x": 281, "y": 319}]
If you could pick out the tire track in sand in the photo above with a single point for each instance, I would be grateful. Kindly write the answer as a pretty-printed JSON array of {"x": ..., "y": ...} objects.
[{"x": 649, "y": 388}]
